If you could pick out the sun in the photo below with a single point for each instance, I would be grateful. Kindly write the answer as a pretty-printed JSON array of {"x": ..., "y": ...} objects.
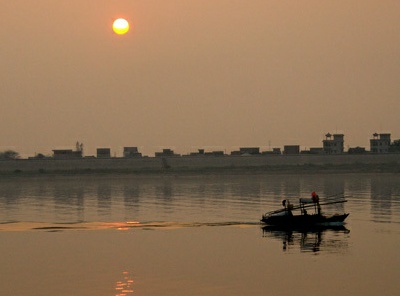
[{"x": 120, "y": 26}]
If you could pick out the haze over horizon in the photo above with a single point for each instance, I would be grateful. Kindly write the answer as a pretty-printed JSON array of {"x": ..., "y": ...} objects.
[{"x": 197, "y": 74}]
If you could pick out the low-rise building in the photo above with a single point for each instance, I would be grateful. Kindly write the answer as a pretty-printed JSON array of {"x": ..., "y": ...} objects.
[
  {"x": 275, "y": 151},
  {"x": 380, "y": 143},
  {"x": 199, "y": 153},
  {"x": 250, "y": 150},
  {"x": 103, "y": 153},
  {"x": 246, "y": 151},
  {"x": 357, "y": 150},
  {"x": 66, "y": 154},
  {"x": 316, "y": 150},
  {"x": 166, "y": 152},
  {"x": 291, "y": 149},
  {"x": 215, "y": 153},
  {"x": 131, "y": 152},
  {"x": 333, "y": 145}
]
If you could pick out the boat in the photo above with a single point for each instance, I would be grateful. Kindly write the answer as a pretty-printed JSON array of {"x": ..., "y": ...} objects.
[
  {"x": 291, "y": 216},
  {"x": 304, "y": 220}
]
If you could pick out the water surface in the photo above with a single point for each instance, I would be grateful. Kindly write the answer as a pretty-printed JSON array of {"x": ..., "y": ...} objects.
[{"x": 194, "y": 235}]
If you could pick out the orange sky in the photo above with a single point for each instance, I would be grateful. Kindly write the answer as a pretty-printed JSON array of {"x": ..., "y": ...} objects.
[{"x": 200, "y": 73}]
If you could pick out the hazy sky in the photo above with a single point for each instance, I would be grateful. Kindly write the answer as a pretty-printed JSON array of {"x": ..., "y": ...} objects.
[{"x": 217, "y": 74}]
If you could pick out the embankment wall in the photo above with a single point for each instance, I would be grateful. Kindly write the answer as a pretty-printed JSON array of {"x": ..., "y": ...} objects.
[{"x": 155, "y": 164}]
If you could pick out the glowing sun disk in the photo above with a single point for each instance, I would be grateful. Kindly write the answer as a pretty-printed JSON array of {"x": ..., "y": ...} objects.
[{"x": 120, "y": 26}]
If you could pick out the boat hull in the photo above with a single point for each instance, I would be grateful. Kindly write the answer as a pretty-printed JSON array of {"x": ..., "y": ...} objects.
[{"x": 297, "y": 221}]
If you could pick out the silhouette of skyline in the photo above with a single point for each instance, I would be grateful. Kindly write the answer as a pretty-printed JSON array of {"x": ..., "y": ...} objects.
[{"x": 197, "y": 73}]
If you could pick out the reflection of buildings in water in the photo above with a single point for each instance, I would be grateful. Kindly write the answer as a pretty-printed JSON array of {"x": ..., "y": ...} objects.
[
  {"x": 165, "y": 193},
  {"x": 246, "y": 188},
  {"x": 124, "y": 287},
  {"x": 131, "y": 200},
  {"x": 355, "y": 184},
  {"x": 330, "y": 240},
  {"x": 291, "y": 186},
  {"x": 41, "y": 190},
  {"x": 10, "y": 193},
  {"x": 212, "y": 191},
  {"x": 333, "y": 187},
  {"x": 131, "y": 195},
  {"x": 217, "y": 189},
  {"x": 104, "y": 203},
  {"x": 274, "y": 187},
  {"x": 281, "y": 187},
  {"x": 165, "y": 190},
  {"x": 69, "y": 199},
  {"x": 200, "y": 189},
  {"x": 381, "y": 198}
]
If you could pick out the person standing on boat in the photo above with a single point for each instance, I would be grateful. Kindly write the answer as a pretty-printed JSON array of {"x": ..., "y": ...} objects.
[
  {"x": 315, "y": 199},
  {"x": 288, "y": 207}
]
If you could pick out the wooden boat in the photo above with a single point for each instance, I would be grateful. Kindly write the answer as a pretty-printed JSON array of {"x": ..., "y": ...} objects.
[
  {"x": 304, "y": 220},
  {"x": 285, "y": 217}
]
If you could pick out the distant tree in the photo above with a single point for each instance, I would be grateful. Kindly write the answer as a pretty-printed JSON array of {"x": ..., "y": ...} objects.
[
  {"x": 395, "y": 146},
  {"x": 396, "y": 143},
  {"x": 9, "y": 154}
]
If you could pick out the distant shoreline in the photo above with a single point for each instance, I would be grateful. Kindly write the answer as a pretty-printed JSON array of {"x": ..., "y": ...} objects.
[
  {"x": 267, "y": 170},
  {"x": 293, "y": 164}
]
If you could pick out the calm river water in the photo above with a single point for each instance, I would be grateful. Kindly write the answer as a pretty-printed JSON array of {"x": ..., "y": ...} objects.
[{"x": 194, "y": 235}]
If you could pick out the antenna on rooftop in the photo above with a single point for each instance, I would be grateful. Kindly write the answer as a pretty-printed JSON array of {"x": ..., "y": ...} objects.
[{"x": 79, "y": 147}]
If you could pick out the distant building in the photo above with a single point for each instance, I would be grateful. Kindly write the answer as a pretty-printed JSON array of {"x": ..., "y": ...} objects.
[
  {"x": 380, "y": 143},
  {"x": 333, "y": 145},
  {"x": 66, "y": 154},
  {"x": 247, "y": 151},
  {"x": 357, "y": 150},
  {"x": 69, "y": 153},
  {"x": 131, "y": 152},
  {"x": 166, "y": 152},
  {"x": 236, "y": 153},
  {"x": 38, "y": 156},
  {"x": 199, "y": 153},
  {"x": 215, "y": 153},
  {"x": 103, "y": 153},
  {"x": 275, "y": 151},
  {"x": 316, "y": 150},
  {"x": 291, "y": 149}
]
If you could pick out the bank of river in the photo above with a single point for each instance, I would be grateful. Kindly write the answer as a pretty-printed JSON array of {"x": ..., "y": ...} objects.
[{"x": 389, "y": 163}]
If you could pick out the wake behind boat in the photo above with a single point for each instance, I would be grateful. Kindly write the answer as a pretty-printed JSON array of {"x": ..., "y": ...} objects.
[{"x": 285, "y": 217}]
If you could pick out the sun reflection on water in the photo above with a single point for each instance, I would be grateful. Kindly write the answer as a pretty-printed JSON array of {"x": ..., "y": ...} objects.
[{"x": 124, "y": 287}]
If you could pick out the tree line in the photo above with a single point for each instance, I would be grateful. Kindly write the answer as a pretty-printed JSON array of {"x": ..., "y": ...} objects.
[{"x": 9, "y": 154}]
